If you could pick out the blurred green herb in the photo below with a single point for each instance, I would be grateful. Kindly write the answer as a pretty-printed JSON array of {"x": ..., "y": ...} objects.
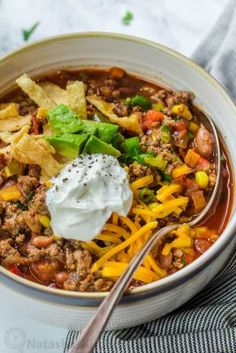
[
  {"x": 28, "y": 32},
  {"x": 127, "y": 18},
  {"x": 21, "y": 206}
]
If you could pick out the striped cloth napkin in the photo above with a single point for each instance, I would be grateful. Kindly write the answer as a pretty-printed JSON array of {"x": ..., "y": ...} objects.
[{"x": 207, "y": 323}]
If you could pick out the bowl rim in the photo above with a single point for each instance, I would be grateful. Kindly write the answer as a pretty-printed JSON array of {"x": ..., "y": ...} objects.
[{"x": 179, "y": 277}]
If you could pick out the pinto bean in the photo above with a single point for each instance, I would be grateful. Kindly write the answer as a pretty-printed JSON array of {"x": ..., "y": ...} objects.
[
  {"x": 42, "y": 241},
  {"x": 204, "y": 142},
  {"x": 165, "y": 260},
  {"x": 61, "y": 277},
  {"x": 45, "y": 270}
]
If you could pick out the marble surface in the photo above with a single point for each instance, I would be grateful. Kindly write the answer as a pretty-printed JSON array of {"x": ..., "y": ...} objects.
[{"x": 180, "y": 24}]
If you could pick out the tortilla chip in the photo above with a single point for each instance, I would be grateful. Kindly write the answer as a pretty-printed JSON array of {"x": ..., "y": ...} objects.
[
  {"x": 49, "y": 148},
  {"x": 9, "y": 110},
  {"x": 130, "y": 123},
  {"x": 18, "y": 135},
  {"x": 35, "y": 92},
  {"x": 56, "y": 93},
  {"x": 6, "y": 136},
  {"x": 14, "y": 123},
  {"x": 76, "y": 98},
  {"x": 29, "y": 150}
]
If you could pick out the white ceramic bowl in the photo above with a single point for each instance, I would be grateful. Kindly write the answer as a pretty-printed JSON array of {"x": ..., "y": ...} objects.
[{"x": 153, "y": 62}]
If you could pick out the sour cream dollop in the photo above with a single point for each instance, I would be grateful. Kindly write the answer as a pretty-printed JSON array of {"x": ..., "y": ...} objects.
[{"x": 85, "y": 194}]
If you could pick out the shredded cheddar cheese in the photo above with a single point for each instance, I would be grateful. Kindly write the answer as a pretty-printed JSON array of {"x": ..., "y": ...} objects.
[
  {"x": 141, "y": 183},
  {"x": 180, "y": 171},
  {"x": 115, "y": 269},
  {"x": 183, "y": 240},
  {"x": 166, "y": 191},
  {"x": 126, "y": 243},
  {"x": 125, "y": 236}
]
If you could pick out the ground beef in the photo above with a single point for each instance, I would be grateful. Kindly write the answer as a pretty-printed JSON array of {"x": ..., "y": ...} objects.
[
  {"x": 12, "y": 219},
  {"x": 78, "y": 260},
  {"x": 3, "y": 161},
  {"x": 89, "y": 284},
  {"x": 83, "y": 261},
  {"x": 38, "y": 204},
  {"x": 151, "y": 142},
  {"x": 121, "y": 109},
  {"x": 178, "y": 98},
  {"x": 27, "y": 184},
  {"x": 9, "y": 254},
  {"x": 54, "y": 251},
  {"x": 170, "y": 98},
  {"x": 105, "y": 91},
  {"x": 102, "y": 285},
  {"x": 34, "y": 254},
  {"x": 137, "y": 170},
  {"x": 3, "y": 178},
  {"x": 31, "y": 218},
  {"x": 71, "y": 284},
  {"x": 34, "y": 171}
]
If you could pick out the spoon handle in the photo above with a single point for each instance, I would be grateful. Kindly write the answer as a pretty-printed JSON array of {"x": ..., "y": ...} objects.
[{"x": 94, "y": 328}]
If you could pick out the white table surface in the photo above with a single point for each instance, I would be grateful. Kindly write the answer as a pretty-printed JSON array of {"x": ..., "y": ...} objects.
[{"x": 180, "y": 24}]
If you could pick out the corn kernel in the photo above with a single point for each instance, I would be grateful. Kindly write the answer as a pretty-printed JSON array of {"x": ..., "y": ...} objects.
[
  {"x": 42, "y": 113},
  {"x": 193, "y": 127},
  {"x": 10, "y": 193},
  {"x": 45, "y": 221},
  {"x": 202, "y": 179},
  {"x": 182, "y": 110},
  {"x": 48, "y": 184}
]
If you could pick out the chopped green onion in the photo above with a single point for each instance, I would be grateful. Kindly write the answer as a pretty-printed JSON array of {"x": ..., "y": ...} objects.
[
  {"x": 166, "y": 176},
  {"x": 117, "y": 140},
  {"x": 133, "y": 151},
  {"x": 157, "y": 161},
  {"x": 31, "y": 196},
  {"x": 146, "y": 195},
  {"x": 140, "y": 101},
  {"x": 190, "y": 135},
  {"x": 165, "y": 134},
  {"x": 20, "y": 205},
  {"x": 158, "y": 106}
]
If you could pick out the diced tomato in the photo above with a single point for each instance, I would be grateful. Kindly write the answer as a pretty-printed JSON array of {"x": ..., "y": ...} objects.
[
  {"x": 181, "y": 125},
  {"x": 202, "y": 164},
  {"x": 190, "y": 256},
  {"x": 183, "y": 133},
  {"x": 151, "y": 117},
  {"x": 187, "y": 181},
  {"x": 182, "y": 153},
  {"x": 15, "y": 269}
]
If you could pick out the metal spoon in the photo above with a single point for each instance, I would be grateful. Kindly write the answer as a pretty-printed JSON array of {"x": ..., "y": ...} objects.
[{"x": 96, "y": 325}]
